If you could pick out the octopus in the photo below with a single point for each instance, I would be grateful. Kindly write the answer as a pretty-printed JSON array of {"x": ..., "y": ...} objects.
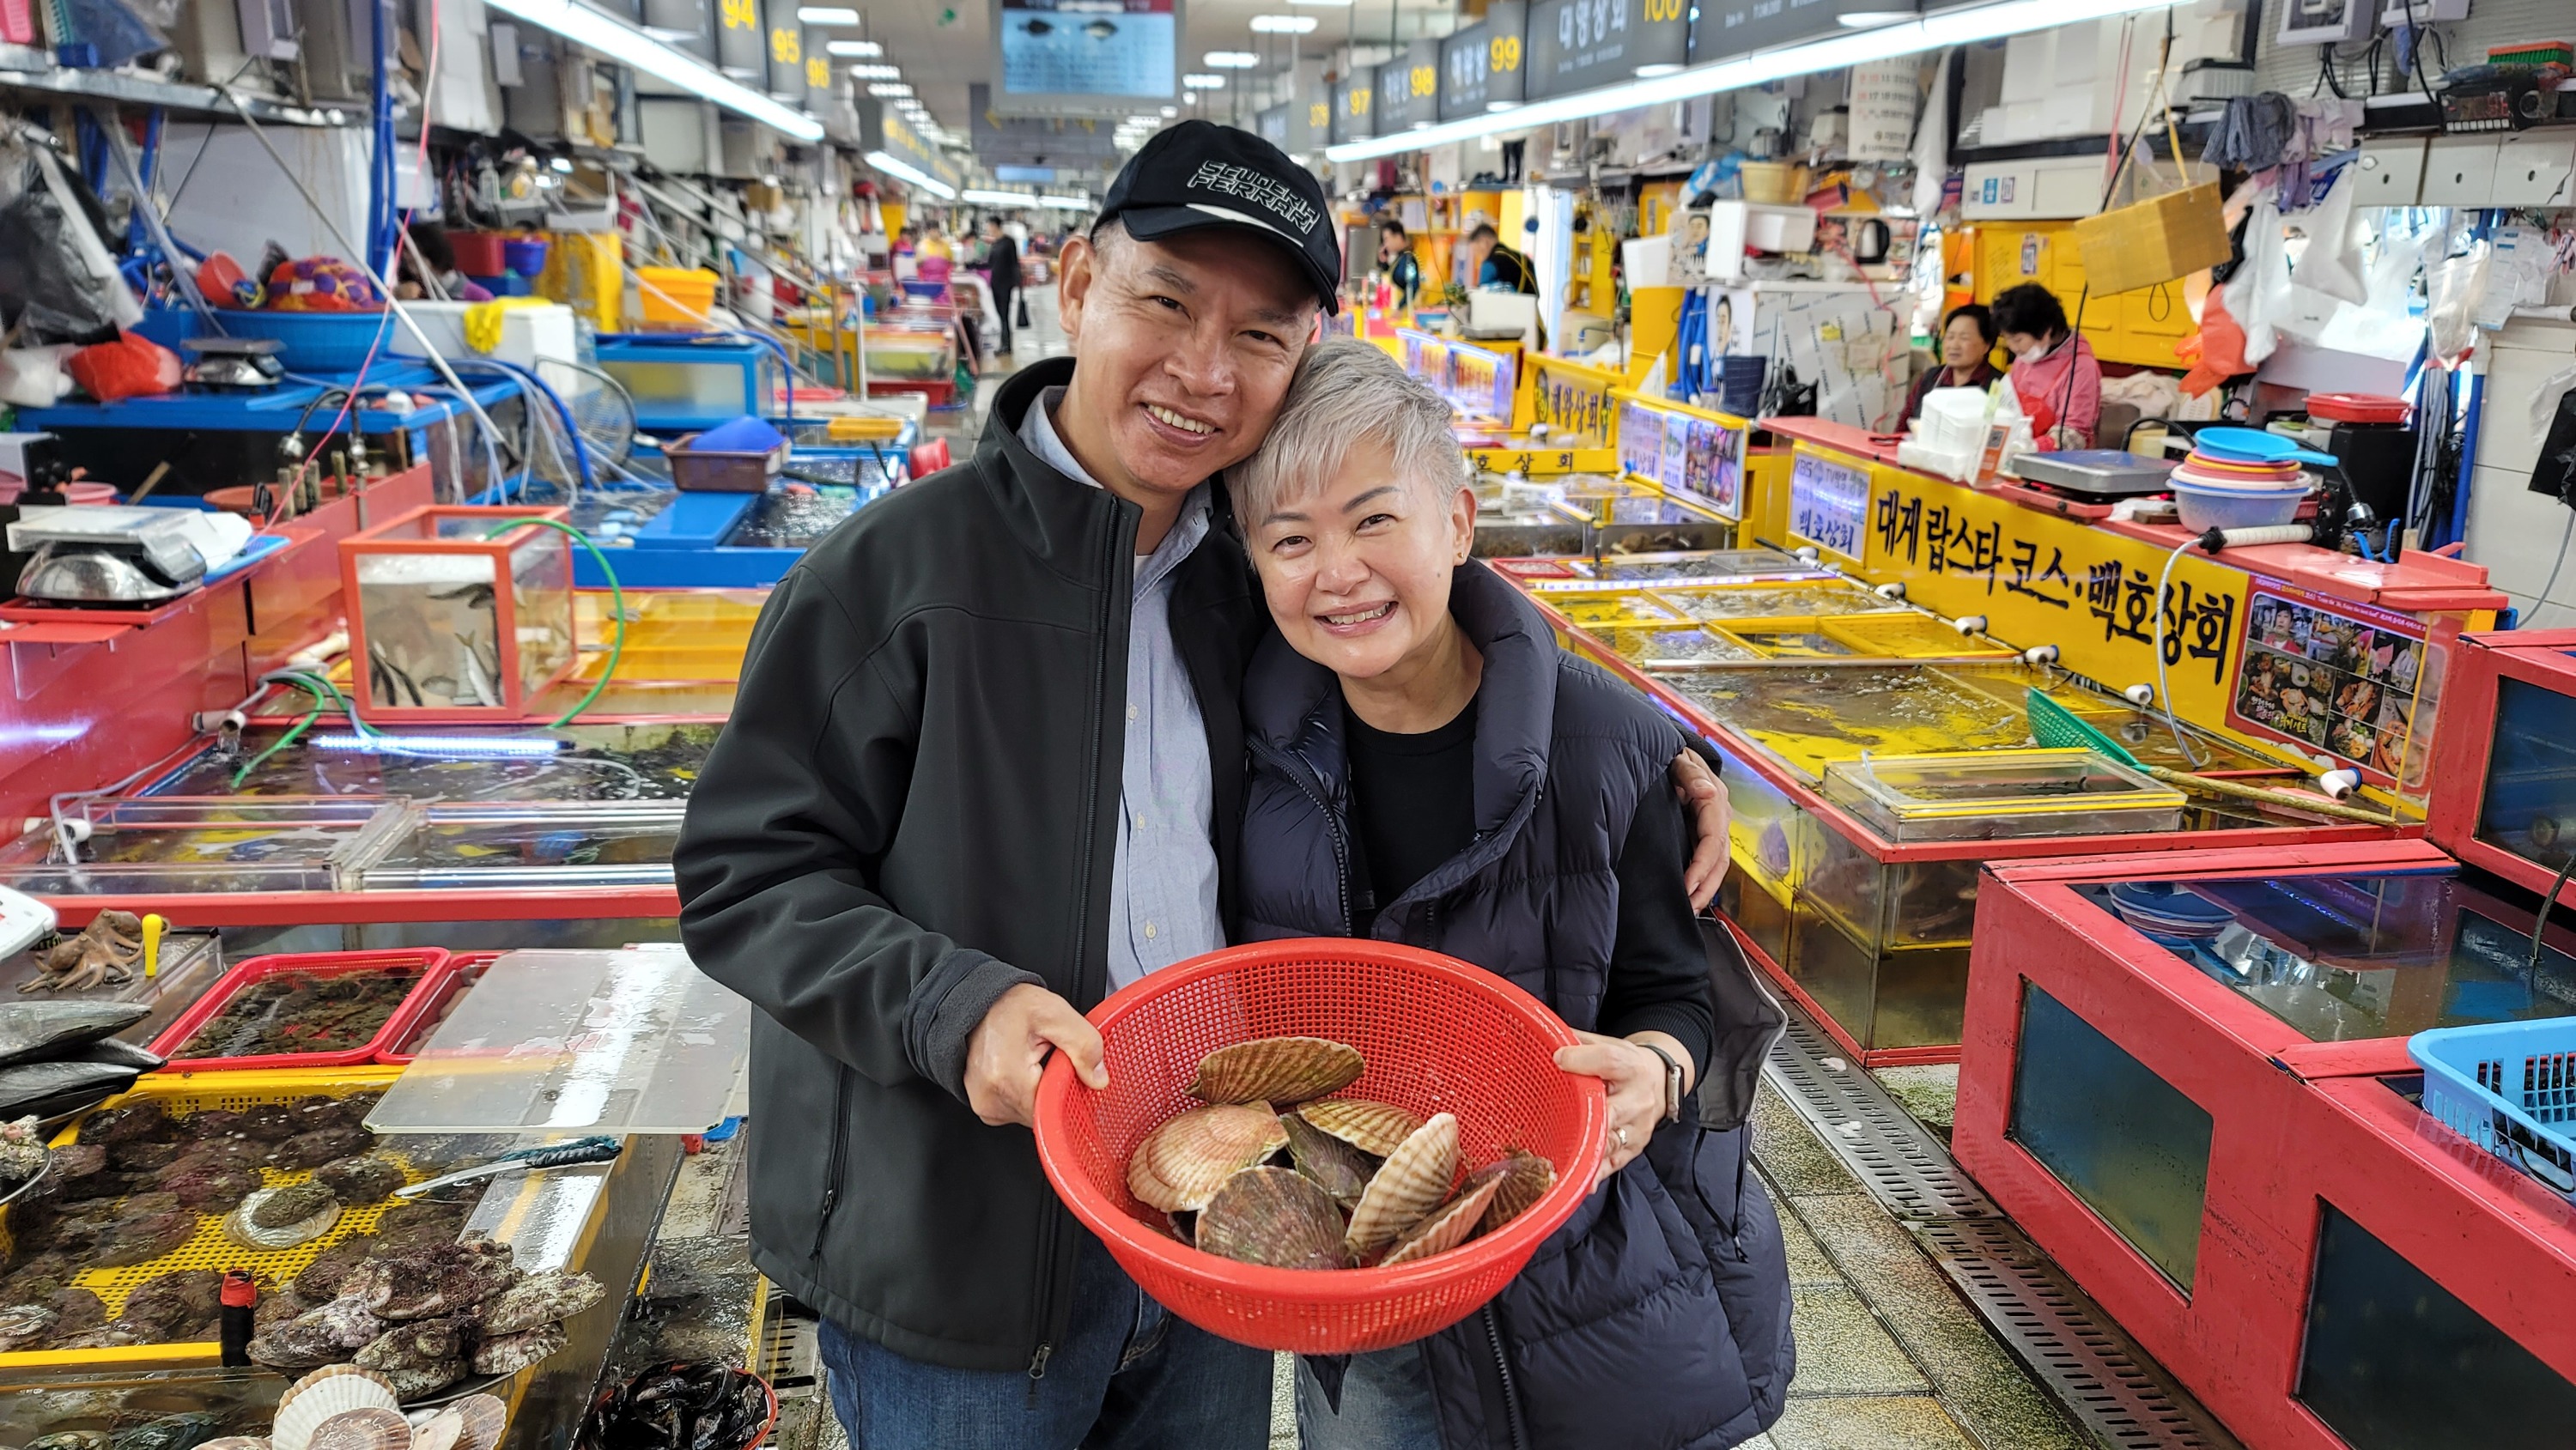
[{"x": 103, "y": 955}]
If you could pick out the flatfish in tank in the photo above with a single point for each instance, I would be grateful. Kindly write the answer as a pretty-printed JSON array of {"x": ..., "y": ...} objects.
[{"x": 794, "y": 518}]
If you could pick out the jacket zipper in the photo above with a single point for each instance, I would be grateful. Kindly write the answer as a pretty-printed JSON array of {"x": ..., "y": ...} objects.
[
  {"x": 1297, "y": 770},
  {"x": 1503, "y": 1367},
  {"x": 1049, "y": 1225},
  {"x": 839, "y": 1158}
]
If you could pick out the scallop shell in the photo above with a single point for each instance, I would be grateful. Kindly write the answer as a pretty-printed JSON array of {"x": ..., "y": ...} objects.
[
  {"x": 1373, "y": 1128},
  {"x": 548, "y": 1296},
  {"x": 439, "y": 1432},
  {"x": 1450, "y": 1224},
  {"x": 1277, "y": 1070},
  {"x": 1336, "y": 1167},
  {"x": 1181, "y": 1163},
  {"x": 426, "y": 1379},
  {"x": 239, "y": 1228},
  {"x": 1526, "y": 1179},
  {"x": 1413, "y": 1181},
  {"x": 1276, "y": 1217},
  {"x": 511, "y": 1353},
  {"x": 485, "y": 1418},
  {"x": 367, "y": 1429},
  {"x": 330, "y": 1390},
  {"x": 236, "y": 1442}
]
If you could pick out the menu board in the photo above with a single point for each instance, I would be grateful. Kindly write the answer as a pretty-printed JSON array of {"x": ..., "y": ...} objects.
[
  {"x": 2342, "y": 678},
  {"x": 1827, "y": 502},
  {"x": 1085, "y": 54},
  {"x": 1641, "y": 440},
  {"x": 1575, "y": 45},
  {"x": 1715, "y": 467},
  {"x": 1480, "y": 66}
]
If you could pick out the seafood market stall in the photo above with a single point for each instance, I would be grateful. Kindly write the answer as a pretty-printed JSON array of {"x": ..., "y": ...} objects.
[{"x": 1880, "y": 721}]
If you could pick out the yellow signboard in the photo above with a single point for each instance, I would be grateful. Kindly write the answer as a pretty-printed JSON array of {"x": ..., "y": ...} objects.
[
  {"x": 1683, "y": 450},
  {"x": 1533, "y": 462},
  {"x": 1573, "y": 397}
]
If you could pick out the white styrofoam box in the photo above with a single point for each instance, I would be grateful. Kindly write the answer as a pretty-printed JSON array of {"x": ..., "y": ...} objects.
[
  {"x": 2389, "y": 171},
  {"x": 2459, "y": 171},
  {"x": 2533, "y": 169},
  {"x": 529, "y": 335},
  {"x": 1648, "y": 261},
  {"x": 1736, "y": 225}
]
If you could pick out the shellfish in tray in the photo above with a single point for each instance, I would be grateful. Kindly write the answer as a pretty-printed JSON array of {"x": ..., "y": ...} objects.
[
  {"x": 1273, "y": 1216},
  {"x": 281, "y": 1218},
  {"x": 1181, "y": 1164},
  {"x": 1277, "y": 1070}
]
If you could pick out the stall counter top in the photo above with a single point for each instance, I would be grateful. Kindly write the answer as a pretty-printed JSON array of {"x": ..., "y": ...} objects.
[{"x": 2417, "y": 583}]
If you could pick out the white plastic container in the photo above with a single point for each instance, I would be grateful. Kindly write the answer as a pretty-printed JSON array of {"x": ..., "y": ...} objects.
[{"x": 2215, "y": 508}]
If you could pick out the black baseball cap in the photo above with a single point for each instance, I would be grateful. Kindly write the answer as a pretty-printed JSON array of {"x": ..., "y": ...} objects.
[{"x": 1200, "y": 174}]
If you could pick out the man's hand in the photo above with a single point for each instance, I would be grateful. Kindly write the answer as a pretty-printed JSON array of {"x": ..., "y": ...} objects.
[
  {"x": 1705, "y": 795},
  {"x": 1008, "y": 1053}
]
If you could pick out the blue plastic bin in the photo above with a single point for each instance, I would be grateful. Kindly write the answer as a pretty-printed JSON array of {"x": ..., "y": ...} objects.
[
  {"x": 314, "y": 342},
  {"x": 2510, "y": 1088}
]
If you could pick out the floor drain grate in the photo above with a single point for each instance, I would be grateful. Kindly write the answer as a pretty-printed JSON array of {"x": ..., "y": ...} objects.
[
  {"x": 791, "y": 1353},
  {"x": 1903, "y": 1164},
  {"x": 2096, "y": 1374}
]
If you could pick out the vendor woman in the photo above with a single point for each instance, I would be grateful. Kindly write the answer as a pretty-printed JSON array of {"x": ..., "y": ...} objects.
[
  {"x": 2054, "y": 372},
  {"x": 1967, "y": 336},
  {"x": 1428, "y": 767}
]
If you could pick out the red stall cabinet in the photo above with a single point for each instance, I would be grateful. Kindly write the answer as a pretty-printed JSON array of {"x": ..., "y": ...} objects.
[
  {"x": 2185, "y": 1076},
  {"x": 2505, "y": 795}
]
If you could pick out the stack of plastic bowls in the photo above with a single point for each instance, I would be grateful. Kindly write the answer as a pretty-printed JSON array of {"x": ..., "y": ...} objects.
[{"x": 2242, "y": 478}]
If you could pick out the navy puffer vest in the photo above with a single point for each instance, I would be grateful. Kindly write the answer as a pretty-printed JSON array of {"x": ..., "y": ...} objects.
[{"x": 1658, "y": 1316}]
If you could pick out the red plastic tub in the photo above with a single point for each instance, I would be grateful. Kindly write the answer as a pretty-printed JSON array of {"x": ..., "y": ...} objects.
[
  {"x": 428, "y": 964},
  {"x": 464, "y": 969},
  {"x": 479, "y": 254},
  {"x": 1439, "y": 1035}
]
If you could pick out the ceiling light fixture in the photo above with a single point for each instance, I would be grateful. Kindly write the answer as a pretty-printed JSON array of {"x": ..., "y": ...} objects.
[
  {"x": 826, "y": 15},
  {"x": 1284, "y": 24},
  {"x": 984, "y": 196},
  {"x": 1231, "y": 60},
  {"x": 622, "y": 42},
  {"x": 902, "y": 170},
  {"x": 1660, "y": 68},
  {"x": 1931, "y": 32},
  {"x": 884, "y": 89},
  {"x": 877, "y": 72},
  {"x": 860, "y": 48},
  {"x": 1204, "y": 80},
  {"x": 1863, "y": 19},
  {"x": 1170, "y": 111},
  {"x": 1324, "y": 4},
  {"x": 1066, "y": 203}
]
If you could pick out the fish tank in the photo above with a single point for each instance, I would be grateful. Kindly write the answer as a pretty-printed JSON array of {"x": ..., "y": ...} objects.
[
  {"x": 577, "y": 762},
  {"x": 2000, "y": 794},
  {"x": 2350, "y": 958},
  {"x": 483, "y": 845},
  {"x": 1693, "y": 567},
  {"x": 1659, "y": 525},
  {"x": 2529, "y": 807},
  {"x": 164, "y": 845},
  {"x": 1529, "y": 532},
  {"x": 458, "y": 612},
  {"x": 1791, "y": 600},
  {"x": 798, "y": 517},
  {"x": 1670, "y": 646}
]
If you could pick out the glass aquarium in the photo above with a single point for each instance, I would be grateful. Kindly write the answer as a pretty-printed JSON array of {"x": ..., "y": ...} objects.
[
  {"x": 1690, "y": 568},
  {"x": 177, "y": 844},
  {"x": 2351, "y": 958},
  {"x": 575, "y": 762},
  {"x": 458, "y": 611},
  {"x": 2394, "y": 1361},
  {"x": 2530, "y": 804},
  {"x": 2125, "y": 1141},
  {"x": 1522, "y": 531},
  {"x": 1670, "y": 646},
  {"x": 1808, "y": 716},
  {"x": 1999, "y": 794},
  {"x": 494, "y": 844},
  {"x": 1791, "y": 600}
]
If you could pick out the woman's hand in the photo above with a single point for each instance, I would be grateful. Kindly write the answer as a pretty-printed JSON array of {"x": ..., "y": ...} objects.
[
  {"x": 1704, "y": 796},
  {"x": 1635, "y": 1078}
]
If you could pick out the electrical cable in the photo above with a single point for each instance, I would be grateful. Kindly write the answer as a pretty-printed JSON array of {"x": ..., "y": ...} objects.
[
  {"x": 616, "y": 599},
  {"x": 2164, "y": 694},
  {"x": 2565, "y": 537},
  {"x": 2540, "y": 922}
]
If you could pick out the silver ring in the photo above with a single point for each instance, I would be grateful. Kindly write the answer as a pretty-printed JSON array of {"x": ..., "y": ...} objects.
[{"x": 1620, "y": 1132}]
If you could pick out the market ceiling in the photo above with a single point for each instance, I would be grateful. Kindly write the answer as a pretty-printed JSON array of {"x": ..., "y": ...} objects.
[{"x": 944, "y": 46}]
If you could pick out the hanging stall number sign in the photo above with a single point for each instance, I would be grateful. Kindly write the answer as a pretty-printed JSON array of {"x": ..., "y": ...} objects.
[
  {"x": 1827, "y": 503},
  {"x": 1480, "y": 66},
  {"x": 1575, "y": 45}
]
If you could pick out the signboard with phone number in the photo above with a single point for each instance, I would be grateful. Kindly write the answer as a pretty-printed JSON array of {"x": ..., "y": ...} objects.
[{"x": 1828, "y": 502}]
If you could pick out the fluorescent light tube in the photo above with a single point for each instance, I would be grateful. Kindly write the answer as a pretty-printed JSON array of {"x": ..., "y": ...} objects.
[
  {"x": 902, "y": 170},
  {"x": 860, "y": 48},
  {"x": 1066, "y": 203},
  {"x": 498, "y": 747},
  {"x": 629, "y": 45},
  {"x": 1930, "y": 32},
  {"x": 1231, "y": 60},
  {"x": 886, "y": 89},
  {"x": 1284, "y": 24},
  {"x": 989, "y": 197},
  {"x": 826, "y": 15},
  {"x": 877, "y": 72},
  {"x": 1205, "y": 81}
]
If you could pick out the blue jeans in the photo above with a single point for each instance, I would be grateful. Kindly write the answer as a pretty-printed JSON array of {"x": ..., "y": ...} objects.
[
  {"x": 1386, "y": 1405},
  {"x": 1128, "y": 1376}
]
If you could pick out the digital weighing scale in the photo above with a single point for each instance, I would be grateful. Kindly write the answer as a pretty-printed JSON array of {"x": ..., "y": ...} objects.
[{"x": 2097, "y": 472}]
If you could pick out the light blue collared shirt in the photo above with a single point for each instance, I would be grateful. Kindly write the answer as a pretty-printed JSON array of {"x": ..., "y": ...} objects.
[{"x": 1162, "y": 887}]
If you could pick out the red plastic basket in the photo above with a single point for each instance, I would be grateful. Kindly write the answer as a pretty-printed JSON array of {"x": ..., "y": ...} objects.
[
  {"x": 1439, "y": 1035},
  {"x": 429, "y": 962},
  {"x": 464, "y": 969}
]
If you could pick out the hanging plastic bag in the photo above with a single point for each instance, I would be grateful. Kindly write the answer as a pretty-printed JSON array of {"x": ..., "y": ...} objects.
[
  {"x": 2258, "y": 296},
  {"x": 2332, "y": 262},
  {"x": 2216, "y": 352},
  {"x": 2453, "y": 288},
  {"x": 57, "y": 281},
  {"x": 129, "y": 367}
]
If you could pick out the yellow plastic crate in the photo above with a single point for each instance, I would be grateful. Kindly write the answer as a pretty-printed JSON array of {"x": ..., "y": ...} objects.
[{"x": 209, "y": 1248}]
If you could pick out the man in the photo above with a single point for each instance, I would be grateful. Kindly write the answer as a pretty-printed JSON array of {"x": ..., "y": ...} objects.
[
  {"x": 1002, "y": 258},
  {"x": 987, "y": 766},
  {"x": 1496, "y": 265},
  {"x": 1395, "y": 259}
]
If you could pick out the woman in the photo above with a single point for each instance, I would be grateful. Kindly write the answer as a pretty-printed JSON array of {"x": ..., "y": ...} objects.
[
  {"x": 1967, "y": 336},
  {"x": 1429, "y": 768},
  {"x": 2054, "y": 372}
]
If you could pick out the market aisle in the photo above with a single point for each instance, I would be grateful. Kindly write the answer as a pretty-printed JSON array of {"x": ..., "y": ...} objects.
[{"x": 1042, "y": 338}]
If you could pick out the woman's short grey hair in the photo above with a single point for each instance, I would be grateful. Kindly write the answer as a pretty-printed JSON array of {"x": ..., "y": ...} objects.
[{"x": 1346, "y": 393}]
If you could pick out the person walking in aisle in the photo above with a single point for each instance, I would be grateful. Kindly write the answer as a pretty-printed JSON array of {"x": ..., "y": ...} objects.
[
  {"x": 1002, "y": 261},
  {"x": 987, "y": 767}
]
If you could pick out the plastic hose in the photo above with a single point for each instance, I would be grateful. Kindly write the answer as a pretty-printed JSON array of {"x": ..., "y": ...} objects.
[{"x": 616, "y": 599}]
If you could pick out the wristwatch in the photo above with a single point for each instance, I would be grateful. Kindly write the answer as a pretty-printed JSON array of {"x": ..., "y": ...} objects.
[{"x": 1672, "y": 1083}]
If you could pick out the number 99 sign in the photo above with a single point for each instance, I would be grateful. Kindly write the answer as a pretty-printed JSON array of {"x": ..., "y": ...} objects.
[{"x": 1503, "y": 53}]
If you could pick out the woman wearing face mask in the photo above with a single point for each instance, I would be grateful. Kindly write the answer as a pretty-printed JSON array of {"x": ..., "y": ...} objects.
[
  {"x": 1428, "y": 767},
  {"x": 1967, "y": 336},
  {"x": 2054, "y": 372}
]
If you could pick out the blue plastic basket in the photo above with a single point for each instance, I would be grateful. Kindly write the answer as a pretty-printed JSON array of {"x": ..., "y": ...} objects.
[
  {"x": 2510, "y": 1088},
  {"x": 314, "y": 342}
]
